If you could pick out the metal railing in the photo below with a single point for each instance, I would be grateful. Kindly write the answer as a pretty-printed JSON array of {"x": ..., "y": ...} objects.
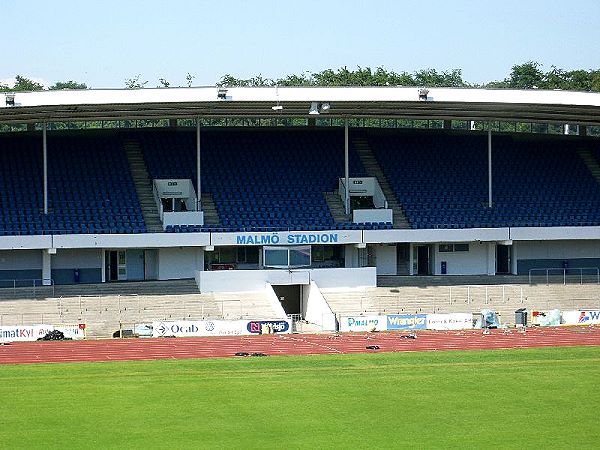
[
  {"x": 592, "y": 272},
  {"x": 26, "y": 287}
]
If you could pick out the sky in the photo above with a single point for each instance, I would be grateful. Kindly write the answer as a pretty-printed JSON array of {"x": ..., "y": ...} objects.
[{"x": 103, "y": 43}]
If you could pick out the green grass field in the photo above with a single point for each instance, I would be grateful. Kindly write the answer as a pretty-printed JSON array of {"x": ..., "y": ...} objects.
[{"x": 509, "y": 398}]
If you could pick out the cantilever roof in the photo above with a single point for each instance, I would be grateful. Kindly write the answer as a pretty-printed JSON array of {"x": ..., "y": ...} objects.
[{"x": 441, "y": 103}]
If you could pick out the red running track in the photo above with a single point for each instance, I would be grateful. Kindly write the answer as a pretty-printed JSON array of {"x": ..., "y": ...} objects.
[{"x": 291, "y": 344}]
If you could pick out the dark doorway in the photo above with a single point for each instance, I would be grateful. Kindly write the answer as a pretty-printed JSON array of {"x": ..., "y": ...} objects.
[
  {"x": 290, "y": 298},
  {"x": 502, "y": 259},
  {"x": 423, "y": 260},
  {"x": 403, "y": 259},
  {"x": 111, "y": 265}
]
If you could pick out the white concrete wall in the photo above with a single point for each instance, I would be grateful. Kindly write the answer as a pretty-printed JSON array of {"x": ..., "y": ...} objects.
[
  {"x": 558, "y": 249},
  {"x": 436, "y": 235},
  {"x": 317, "y": 309},
  {"x": 473, "y": 262},
  {"x": 119, "y": 241},
  {"x": 386, "y": 259},
  {"x": 371, "y": 215},
  {"x": 554, "y": 233},
  {"x": 20, "y": 260},
  {"x": 179, "y": 262},
  {"x": 256, "y": 280},
  {"x": 25, "y": 242},
  {"x": 81, "y": 258}
]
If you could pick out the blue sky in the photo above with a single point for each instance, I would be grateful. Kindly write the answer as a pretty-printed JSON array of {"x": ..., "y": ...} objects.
[{"x": 102, "y": 43}]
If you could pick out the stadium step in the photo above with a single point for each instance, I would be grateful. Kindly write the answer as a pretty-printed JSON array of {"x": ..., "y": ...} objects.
[
  {"x": 143, "y": 186},
  {"x": 361, "y": 145},
  {"x": 211, "y": 215},
  {"x": 591, "y": 162},
  {"x": 336, "y": 207}
]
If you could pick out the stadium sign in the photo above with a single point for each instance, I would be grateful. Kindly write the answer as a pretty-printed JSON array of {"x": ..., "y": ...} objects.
[
  {"x": 288, "y": 238},
  {"x": 454, "y": 321},
  {"x": 581, "y": 317},
  {"x": 407, "y": 321},
  {"x": 268, "y": 326},
  {"x": 197, "y": 328},
  {"x": 363, "y": 323},
  {"x": 23, "y": 333}
]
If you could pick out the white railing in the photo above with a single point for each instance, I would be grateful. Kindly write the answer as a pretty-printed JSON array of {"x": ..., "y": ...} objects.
[
  {"x": 26, "y": 286},
  {"x": 592, "y": 272}
]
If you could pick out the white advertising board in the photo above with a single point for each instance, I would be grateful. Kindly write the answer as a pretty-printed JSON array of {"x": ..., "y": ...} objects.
[
  {"x": 363, "y": 323},
  {"x": 23, "y": 333},
  {"x": 455, "y": 321},
  {"x": 581, "y": 317},
  {"x": 196, "y": 328}
]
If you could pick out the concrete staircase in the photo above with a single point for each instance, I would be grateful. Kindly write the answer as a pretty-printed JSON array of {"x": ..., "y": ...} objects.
[
  {"x": 143, "y": 186},
  {"x": 211, "y": 215},
  {"x": 504, "y": 299},
  {"x": 591, "y": 162},
  {"x": 336, "y": 207},
  {"x": 127, "y": 304},
  {"x": 361, "y": 145}
]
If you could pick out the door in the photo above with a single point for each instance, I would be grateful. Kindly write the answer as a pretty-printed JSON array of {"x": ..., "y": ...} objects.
[
  {"x": 111, "y": 265},
  {"x": 423, "y": 260},
  {"x": 115, "y": 265},
  {"x": 151, "y": 264},
  {"x": 502, "y": 259}
]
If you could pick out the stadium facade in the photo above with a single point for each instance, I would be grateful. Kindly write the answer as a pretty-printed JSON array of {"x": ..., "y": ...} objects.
[{"x": 238, "y": 187}]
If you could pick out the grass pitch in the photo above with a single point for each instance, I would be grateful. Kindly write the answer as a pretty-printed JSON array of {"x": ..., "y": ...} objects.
[{"x": 544, "y": 398}]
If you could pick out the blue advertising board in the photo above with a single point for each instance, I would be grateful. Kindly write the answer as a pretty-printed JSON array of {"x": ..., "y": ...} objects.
[{"x": 407, "y": 321}]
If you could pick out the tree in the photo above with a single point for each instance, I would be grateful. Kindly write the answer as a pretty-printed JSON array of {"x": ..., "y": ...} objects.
[
  {"x": 60, "y": 85},
  {"x": 135, "y": 83},
  {"x": 23, "y": 84},
  {"x": 163, "y": 83},
  {"x": 526, "y": 76},
  {"x": 189, "y": 78}
]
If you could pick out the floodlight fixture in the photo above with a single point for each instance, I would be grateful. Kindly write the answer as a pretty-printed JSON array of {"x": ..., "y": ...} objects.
[
  {"x": 277, "y": 107},
  {"x": 423, "y": 94},
  {"x": 222, "y": 93},
  {"x": 325, "y": 107}
]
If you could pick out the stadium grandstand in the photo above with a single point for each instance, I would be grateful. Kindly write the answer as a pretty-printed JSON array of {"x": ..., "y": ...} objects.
[{"x": 295, "y": 202}]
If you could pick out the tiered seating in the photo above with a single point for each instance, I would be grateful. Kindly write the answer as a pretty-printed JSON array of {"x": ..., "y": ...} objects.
[
  {"x": 261, "y": 180},
  {"x": 90, "y": 189},
  {"x": 442, "y": 181}
]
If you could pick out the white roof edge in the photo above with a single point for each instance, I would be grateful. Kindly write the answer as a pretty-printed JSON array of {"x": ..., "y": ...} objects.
[{"x": 299, "y": 94}]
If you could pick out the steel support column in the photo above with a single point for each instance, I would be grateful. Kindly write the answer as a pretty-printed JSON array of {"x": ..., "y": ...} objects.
[
  {"x": 346, "y": 170},
  {"x": 45, "y": 157},
  {"x": 490, "y": 204},
  {"x": 198, "y": 178}
]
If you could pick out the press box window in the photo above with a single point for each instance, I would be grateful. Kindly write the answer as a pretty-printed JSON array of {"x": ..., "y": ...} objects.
[
  {"x": 447, "y": 248},
  {"x": 286, "y": 257}
]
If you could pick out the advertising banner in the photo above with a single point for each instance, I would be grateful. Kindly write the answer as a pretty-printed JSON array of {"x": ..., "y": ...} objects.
[
  {"x": 363, "y": 323},
  {"x": 407, "y": 321},
  {"x": 191, "y": 328},
  {"x": 23, "y": 333},
  {"x": 455, "y": 321},
  {"x": 580, "y": 317},
  {"x": 550, "y": 318}
]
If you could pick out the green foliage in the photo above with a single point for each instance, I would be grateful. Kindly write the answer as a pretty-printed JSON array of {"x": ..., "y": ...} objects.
[
  {"x": 135, "y": 83},
  {"x": 22, "y": 84},
  {"x": 60, "y": 85},
  {"x": 523, "y": 76},
  {"x": 529, "y": 398},
  {"x": 530, "y": 76}
]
